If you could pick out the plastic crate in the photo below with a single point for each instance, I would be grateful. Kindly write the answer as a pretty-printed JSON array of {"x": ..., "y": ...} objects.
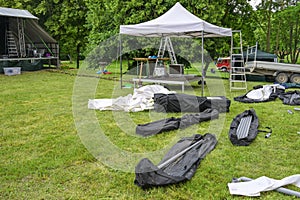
[
  {"x": 176, "y": 69},
  {"x": 9, "y": 71}
]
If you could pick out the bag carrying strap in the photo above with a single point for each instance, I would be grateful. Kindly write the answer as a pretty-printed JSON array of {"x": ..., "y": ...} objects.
[{"x": 269, "y": 132}]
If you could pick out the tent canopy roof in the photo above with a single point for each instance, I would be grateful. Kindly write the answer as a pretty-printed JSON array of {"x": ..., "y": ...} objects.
[
  {"x": 262, "y": 55},
  {"x": 37, "y": 33},
  {"x": 176, "y": 22},
  {"x": 11, "y": 12}
]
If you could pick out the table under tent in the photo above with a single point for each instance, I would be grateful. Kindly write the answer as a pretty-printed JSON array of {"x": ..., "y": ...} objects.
[
  {"x": 175, "y": 23},
  {"x": 23, "y": 43}
]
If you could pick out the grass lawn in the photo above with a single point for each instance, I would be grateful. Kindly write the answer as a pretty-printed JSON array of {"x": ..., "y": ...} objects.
[{"x": 44, "y": 153}]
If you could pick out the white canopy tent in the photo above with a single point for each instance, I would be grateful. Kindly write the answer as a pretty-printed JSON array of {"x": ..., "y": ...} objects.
[{"x": 176, "y": 22}]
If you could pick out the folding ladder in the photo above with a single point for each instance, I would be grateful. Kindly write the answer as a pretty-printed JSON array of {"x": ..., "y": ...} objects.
[
  {"x": 21, "y": 36},
  {"x": 11, "y": 45},
  {"x": 237, "y": 71},
  {"x": 166, "y": 44}
]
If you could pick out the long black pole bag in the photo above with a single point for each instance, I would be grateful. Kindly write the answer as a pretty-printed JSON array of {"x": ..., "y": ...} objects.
[
  {"x": 173, "y": 123},
  {"x": 179, "y": 164},
  {"x": 189, "y": 103}
]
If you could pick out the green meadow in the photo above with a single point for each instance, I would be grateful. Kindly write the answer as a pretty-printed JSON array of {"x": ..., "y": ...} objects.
[{"x": 48, "y": 146}]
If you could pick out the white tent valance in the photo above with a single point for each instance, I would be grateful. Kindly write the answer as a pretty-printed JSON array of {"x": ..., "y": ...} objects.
[{"x": 176, "y": 22}]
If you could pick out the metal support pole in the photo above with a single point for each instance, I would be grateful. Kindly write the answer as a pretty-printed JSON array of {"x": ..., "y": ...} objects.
[
  {"x": 180, "y": 154},
  {"x": 281, "y": 189},
  {"x": 57, "y": 55},
  {"x": 21, "y": 37},
  {"x": 121, "y": 72},
  {"x": 202, "y": 64}
]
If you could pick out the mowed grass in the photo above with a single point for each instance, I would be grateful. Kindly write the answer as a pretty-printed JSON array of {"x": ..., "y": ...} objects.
[{"x": 43, "y": 155}]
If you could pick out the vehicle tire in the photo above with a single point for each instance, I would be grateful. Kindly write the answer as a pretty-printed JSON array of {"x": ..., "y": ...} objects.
[
  {"x": 269, "y": 78},
  {"x": 295, "y": 78},
  {"x": 223, "y": 69},
  {"x": 282, "y": 77},
  {"x": 200, "y": 82}
]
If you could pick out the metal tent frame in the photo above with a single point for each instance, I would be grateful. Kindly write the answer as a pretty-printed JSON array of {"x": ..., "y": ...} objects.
[{"x": 176, "y": 22}]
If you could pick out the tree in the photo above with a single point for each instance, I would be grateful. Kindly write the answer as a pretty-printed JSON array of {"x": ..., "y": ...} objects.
[
  {"x": 80, "y": 25},
  {"x": 287, "y": 38},
  {"x": 66, "y": 21},
  {"x": 278, "y": 28},
  {"x": 105, "y": 17},
  {"x": 63, "y": 19}
]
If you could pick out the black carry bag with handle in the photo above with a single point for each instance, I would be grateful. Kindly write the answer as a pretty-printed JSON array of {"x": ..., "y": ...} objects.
[
  {"x": 173, "y": 123},
  {"x": 244, "y": 128},
  {"x": 179, "y": 164},
  {"x": 189, "y": 103}
]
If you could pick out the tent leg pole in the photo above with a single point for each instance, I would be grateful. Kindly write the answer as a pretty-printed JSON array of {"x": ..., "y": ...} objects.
[
  {"x": 280, "y": 189},
  {"x": 121, "y": 73},
  {"x": 202, "y": 63},
  {"x": 180, "y": 154}
]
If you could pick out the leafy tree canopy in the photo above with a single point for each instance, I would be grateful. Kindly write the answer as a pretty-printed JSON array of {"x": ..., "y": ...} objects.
[{"x": 80, "y": 25}]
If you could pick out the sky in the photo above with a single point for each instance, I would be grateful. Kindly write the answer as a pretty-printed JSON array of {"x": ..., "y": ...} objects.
[{"x": 254, "y": 2}]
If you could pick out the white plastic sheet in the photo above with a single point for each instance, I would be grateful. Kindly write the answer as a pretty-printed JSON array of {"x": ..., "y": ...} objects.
[
  {"x": 262, "y": 184},
  {"x": 141, "y": 99},
  {"x": 264, "y": 92}
]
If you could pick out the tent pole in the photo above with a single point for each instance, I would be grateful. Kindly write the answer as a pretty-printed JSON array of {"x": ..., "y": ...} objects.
[
  {"x": 202, "y": 64},
  {"x": 120, "y": 50},
  {"x": 280, "y": 189},
  {"x": 175, "y": 157},
  {"x": 46, "y": 45}
]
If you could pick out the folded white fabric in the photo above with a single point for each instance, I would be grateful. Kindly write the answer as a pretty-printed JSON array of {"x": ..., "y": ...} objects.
[
  {"x": 262, "y": 184},
  {"x": 141, "y": 99},
  {"x": 264, "y": 92}
]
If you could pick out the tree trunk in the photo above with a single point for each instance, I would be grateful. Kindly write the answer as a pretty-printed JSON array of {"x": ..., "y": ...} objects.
[
  {"x": 296, "y": 41},
  {"x": 277, "y": 40},
  {"x": 78, "y": 56},
  {"x": 269, "y": 26}
]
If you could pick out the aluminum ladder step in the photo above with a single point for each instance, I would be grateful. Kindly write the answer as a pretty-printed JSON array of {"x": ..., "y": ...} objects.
[
  {"x": 11, "y": 45},
  {"x": 165, "y": 44},
  {"x": 244, "y": 126},
  {"x": 238, "y": 81},
  {"x": 238, "y": 88},
  {"x": 237, "y": 73}
]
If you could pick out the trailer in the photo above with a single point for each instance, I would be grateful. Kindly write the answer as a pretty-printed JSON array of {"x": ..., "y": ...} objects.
[{"x": 283, "y": 72}]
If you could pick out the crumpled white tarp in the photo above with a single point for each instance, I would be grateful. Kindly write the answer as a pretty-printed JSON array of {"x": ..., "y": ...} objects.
[
  {"x": 262, "y": 184},
  {"x": 264, "y": 92},
  {"x": 141, "y": 99}
]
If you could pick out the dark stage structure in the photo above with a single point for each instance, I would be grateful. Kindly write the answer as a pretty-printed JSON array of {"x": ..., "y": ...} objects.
[{"x": 23, "y": 43}]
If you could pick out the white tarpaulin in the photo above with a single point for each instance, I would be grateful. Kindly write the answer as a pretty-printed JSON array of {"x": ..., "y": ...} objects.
[
  {"x": 254, "y": 187},
  {"x": 176, "y": 22},
  {"x": 141, "y": 99},
  {"x": 263, "y": 93}
]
